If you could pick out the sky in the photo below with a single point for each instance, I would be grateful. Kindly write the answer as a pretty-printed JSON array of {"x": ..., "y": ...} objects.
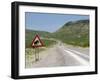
[{"x": 49, "y": 22}]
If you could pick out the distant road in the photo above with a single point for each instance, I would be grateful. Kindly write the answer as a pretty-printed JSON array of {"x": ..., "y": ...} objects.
[{"x": 61, "y": 55}]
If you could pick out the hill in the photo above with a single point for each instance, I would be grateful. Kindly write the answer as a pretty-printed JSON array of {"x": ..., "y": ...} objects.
[{"x": 74, "y": 33}]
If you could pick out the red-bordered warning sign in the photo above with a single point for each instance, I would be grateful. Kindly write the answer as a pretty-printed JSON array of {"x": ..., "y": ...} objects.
[{"x": 37, "y": 42}]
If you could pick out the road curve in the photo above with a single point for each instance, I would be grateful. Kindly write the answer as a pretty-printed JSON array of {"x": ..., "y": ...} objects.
[
  {"x": 61, "y": 55},
  {"x": 73, "y": 57}
]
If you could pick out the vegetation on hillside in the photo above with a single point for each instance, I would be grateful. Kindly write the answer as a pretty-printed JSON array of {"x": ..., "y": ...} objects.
[
  {"x": 74, "y": 33},
  {"x": 30, "y": 34}
]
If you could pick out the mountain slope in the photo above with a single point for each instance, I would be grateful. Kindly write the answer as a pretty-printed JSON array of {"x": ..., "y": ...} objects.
[{"x": 74, "y": 33}]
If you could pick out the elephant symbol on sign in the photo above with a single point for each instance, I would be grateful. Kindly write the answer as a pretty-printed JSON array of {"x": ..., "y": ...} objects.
[{"x": 36, "y": 42}]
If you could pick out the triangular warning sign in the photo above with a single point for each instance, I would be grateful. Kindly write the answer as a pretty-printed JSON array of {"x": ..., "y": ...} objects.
[{"x": 37, "y": 42}]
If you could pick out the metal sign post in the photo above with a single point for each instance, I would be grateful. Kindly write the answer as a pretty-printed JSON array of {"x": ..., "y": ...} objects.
[{"x": 36, "y": 51}]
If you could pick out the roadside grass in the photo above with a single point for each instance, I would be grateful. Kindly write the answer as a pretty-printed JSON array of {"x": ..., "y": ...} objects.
[
  {"x": 49, "y": 43},
  {"x": 30, "y": 56},
  {"x": 30, "y": 52},
  {"x": 82, "y": 42}
]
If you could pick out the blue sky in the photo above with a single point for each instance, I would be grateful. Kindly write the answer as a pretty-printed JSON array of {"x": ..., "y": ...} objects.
[{"x": 49, "y": 22}]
